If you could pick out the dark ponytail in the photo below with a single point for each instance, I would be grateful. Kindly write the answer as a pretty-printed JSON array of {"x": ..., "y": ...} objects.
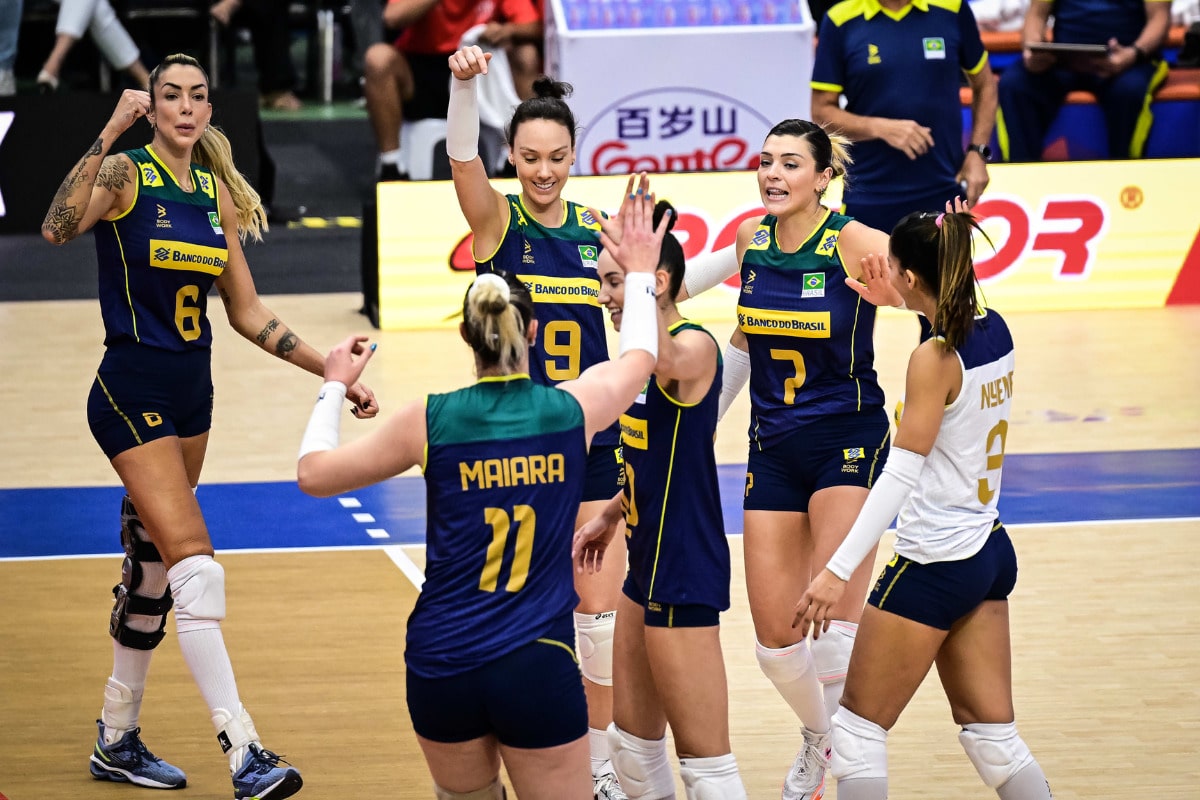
[
  {"x": 670, "y": 257},
  {"x": 548, "y": 103}
]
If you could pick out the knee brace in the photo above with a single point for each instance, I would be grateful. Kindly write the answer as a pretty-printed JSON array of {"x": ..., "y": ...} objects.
[
  {"x": 784, "y": 665},
  {"x": 641, "y": 765},
  {"x": 996, "y": 750},
  {"x": 141, "y": 558},
  {"x": 859, "y": 747},
  {"x": 198, "y": 584},
  {"x": 493, "y": 791},
  {"x": 831, "y": 653},
  {"x": 595, "y": 634},
  {"x": 714, "y": 778}
]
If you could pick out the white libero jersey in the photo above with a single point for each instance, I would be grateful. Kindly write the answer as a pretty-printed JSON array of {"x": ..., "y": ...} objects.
[{"x": 952, "y": 510}]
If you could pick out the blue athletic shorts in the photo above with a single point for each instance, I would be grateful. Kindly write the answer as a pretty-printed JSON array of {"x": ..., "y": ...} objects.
[
  {"x": 838, "y": 450},
  {"x": 665, "y": 615},
  {"x": 604, "y": 472},
  {"x": 531, "y": 697},
  {"x": 145, "y": 393},
  {"x": 941, "y": 593}
]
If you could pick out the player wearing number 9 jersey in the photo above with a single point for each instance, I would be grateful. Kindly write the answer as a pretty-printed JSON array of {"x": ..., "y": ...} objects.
[
  {"x": 550, "y": 243},
  {"x": 491, "y": 659},
  {"x": 168, "y": 220},
  {"x": 944, "y": 596}
]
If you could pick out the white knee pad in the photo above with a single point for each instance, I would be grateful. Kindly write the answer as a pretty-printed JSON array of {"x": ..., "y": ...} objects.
[
  {"x": 859, "y": 747},
  {"x": 784, "y": 665},
  {"x": 641, "y": 765},
  {"x": 198, "y": 586},
  {"x": 493, "y": 791},
  {"x": 831, "y": 653},
  {"x": 714, "y": 778},
  {"x": 595, "y": 634},
  {"x": 996, "y": 750}
]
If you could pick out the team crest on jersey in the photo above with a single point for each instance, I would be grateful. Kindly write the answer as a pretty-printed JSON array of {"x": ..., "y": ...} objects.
[
  {"x": 586, "y": 219},
  {"x": 748, "y": 284},
  {"x": 162, "y": 221},
  {"x": 761, "y": 238},
  {"x": 205, "y": 182},
  {"x": 851, "y": 455},
  {"x": 814, "y": 285},
  {"x": 214, "y": 219},
  {"x": 873, "y": 54},
  {"x": 935, "y": 48},
  {"x": 588, "y": 254},
  {"x": 829, "y": 240},
  {"x": 527, "y": 255},
  {"x": 641, "y": 398},
  {"x": 150, "y": 176}
]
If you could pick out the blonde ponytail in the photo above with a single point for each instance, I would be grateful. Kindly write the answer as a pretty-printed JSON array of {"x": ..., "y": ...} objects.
[
  {"x": 213, "y": 151},
  {"x": 496, "y": 315}
]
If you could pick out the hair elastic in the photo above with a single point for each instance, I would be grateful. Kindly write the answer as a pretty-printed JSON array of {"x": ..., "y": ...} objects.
[
  {"x": 938, "y": 220},
  {"x": 493, "y": 278}
]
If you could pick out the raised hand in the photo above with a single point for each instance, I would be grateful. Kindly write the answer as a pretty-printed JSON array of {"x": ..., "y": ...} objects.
[
  {"x": 875, "y": 284},
  {"x": 345, "y": 363},
  {"x": 468, "y": 62},
  {"x": 131, "y": 106}
]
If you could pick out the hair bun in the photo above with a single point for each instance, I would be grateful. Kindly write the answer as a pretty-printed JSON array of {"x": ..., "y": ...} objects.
[
  {"x": 662, "y": 207},
  {"x": 490, "y": 291},
  {"x": 545, "y": 86}
]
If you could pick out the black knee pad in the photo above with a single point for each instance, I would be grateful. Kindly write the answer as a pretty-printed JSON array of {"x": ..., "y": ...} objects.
[{"x": 138, "y": 550}]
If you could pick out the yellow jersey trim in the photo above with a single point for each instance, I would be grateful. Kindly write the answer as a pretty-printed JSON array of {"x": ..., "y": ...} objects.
[
  {"x": 137, "y": 188},
  {"x": 662, "y": 520}
]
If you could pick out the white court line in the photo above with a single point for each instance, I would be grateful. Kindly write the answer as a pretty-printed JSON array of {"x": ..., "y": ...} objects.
[{"x": 400, "y": 559}]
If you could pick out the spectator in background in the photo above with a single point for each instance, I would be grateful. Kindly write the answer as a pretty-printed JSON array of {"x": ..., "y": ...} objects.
[
  {"x": 99, "y": 19},
  {"x": 900, "y": 64},
  {"x": 410, "y": 78},
  {"x": 10, "y": 28},
  {"x": 522, "y": 41},
  {"x": 267, "y": 21},
  {"x": 1033, "y": 90}
]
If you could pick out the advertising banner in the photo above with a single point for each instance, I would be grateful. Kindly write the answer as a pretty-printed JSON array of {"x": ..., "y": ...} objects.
[
  {"x": 1065, "y": 236},
  {"x": 699, "y": 112}
]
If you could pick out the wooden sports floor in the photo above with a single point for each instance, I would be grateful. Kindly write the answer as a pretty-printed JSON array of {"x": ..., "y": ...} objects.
[{"x": 1106, "y": 614}]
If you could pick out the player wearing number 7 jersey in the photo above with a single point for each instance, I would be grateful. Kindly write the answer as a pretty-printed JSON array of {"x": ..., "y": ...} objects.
[
  {"x": 551, "y": 244},
  {"x": 492, "y": 672},
  {"x": 818, "y": 430},
  {"x": 944, "y": 596},
  {"x": 168, "y": 218}
]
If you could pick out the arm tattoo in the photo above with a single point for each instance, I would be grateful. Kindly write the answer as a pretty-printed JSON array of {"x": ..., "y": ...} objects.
[
  {"x": 114, "y": 174},
  {"x": 286, "y": 345},
  {"x": 62, "y": 220},
  {"x": 266, "y": 332}
]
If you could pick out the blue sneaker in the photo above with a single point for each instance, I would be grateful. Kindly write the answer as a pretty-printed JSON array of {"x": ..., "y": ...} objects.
[
  {"x": 261, "y": 777},
  {"x": 128, "y": 760}
]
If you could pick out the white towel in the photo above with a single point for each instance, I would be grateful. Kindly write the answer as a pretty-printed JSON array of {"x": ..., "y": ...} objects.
[{"x": 497, "y": 93}]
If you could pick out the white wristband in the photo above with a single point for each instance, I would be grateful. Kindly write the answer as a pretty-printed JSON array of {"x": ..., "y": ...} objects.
[
  {"x": 883, "y": 503},
  {"x": 462, "y": 121},
  {"x": 707, "y": 270},
  {"x": 639, "y": 314},
  {"x": 322, "y": 430},
  {"x": 735, "y": 373}
]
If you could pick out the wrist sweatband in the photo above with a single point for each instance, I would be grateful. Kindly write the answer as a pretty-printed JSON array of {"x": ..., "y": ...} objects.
[
  {"x": 705, "y": 271},
  {"x": 322, "y": 430},
  {"x": 639, "y": 314},
  {"x": 735, "y": 373},
  {"x": 462, "y": 121},
  {"x": 883, "y": 503}
]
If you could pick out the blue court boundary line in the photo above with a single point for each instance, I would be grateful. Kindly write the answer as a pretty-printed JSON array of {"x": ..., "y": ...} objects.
[{"x": 1038, "y": 489}]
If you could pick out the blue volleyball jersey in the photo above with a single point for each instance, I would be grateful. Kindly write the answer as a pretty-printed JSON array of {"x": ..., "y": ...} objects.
[
  {"x": 809, "y": 335},
  {"x": 905, "y": 64},
  {"x": 504, "y": 473},
  {"x": 558, "y": 265},
  {"x": 1097, "y": 21},
  {"x": 678, "y": 554},
  {"x": 159, "y": 259}
]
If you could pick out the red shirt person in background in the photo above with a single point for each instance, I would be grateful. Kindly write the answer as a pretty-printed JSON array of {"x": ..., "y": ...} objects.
[{"x": 410, "y": 78}]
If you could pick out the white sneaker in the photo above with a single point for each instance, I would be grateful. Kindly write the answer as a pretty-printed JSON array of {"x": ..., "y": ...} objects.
[
  {"x": 605, "y": 786},
  {"x": 806, "y": 781},
  {"x": 8, "y": 83}
]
